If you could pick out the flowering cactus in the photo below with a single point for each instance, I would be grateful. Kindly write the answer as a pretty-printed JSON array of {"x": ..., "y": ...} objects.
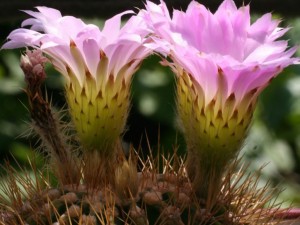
[
  {"x": 222, "y": 62},
  {"x": 97, "y": 66}
]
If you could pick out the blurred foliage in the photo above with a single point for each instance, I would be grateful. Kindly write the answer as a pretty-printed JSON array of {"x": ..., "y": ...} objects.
[{"x": 274, "y": 137}]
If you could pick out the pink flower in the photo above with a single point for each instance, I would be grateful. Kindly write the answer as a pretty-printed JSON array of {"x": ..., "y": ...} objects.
[
  {"x": 97, "y": 64},
  {"x": 222, "y": 63},
  {"x": 79, "y": 47},
  {"x": 202, "y": 43}
]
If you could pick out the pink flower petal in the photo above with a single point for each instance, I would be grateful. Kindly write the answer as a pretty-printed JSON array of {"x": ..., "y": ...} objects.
[
  {"x": 112, "y": 26},
  {"x": 91, "y": 53},
  {"x": 201, "y": 42},
  {"x": 75, "y": 47}
]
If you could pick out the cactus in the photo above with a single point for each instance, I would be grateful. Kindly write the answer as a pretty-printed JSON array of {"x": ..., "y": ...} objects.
[
  {"x": 153, "y": 194},
  {"x": 145, "y": 197},
  {"x": 91, "y": 181}
]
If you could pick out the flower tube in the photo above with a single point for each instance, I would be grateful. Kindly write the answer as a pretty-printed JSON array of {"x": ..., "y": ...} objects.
[
  {"x": 222, "y": 63},
  {"x": 97, "y": 66}
]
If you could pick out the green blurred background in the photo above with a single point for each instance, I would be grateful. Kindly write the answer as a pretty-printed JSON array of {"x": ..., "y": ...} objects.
[{"x": 274, "y": 138}]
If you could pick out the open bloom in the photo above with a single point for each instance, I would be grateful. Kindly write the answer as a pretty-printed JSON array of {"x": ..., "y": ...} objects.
[
  {"x": 222, "y": 62},
  {"x": 97, "y": 64}
]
